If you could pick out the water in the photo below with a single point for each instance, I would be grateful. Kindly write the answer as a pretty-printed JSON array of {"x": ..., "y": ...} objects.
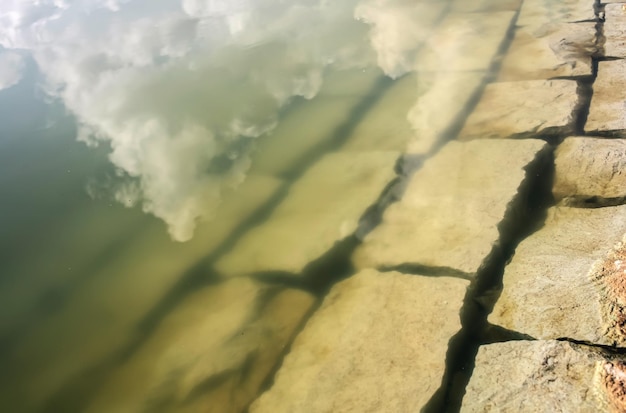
[{"x": 155, "y": 154}]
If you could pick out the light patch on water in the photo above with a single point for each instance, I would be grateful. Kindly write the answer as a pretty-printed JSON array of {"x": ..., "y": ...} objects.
[{"x": 11, "y": 66}]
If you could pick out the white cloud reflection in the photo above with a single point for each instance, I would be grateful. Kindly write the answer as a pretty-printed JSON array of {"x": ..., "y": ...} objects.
[
  {"x": 11, "y": 66},
  {"x": 178, "y": 88}
]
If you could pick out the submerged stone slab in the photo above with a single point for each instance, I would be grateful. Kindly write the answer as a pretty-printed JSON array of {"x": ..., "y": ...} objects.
[
  {"x": 518, "y": 109},
  {"x": 590, "y": 170},
  {"x": 470, "y": 6},
  {"x": 465, "y": 41},
  {"x": 559, "y": 283},
  {"x": 100, "y": 318},
  {"x": 539, "y": 12},
  {"x": 322, "y": 208},
  {"x": 606, "y": 113},
  {"x": 545, "y": 376},
  {"x": 452, "y": 207},
  {"x": 231, "y": 333},
  {"x": 549, "y": 50},
  {"x": 614, "y": 30},
  {"x": 378, "y": 343}
]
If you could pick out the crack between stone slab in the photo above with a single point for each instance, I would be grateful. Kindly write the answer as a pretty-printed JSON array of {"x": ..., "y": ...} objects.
[
  {"x": 591, "y": 345},
  {"x": 524, "y": 215},
  {"x": 428, "y": 271}
]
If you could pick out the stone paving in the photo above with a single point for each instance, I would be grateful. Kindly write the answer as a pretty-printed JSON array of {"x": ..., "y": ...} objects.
[{"x": 482, "y": 249}]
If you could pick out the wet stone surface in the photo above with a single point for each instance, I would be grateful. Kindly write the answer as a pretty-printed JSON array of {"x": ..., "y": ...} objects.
[
  {"x": 614, "y": 30},
  {"x": 606, "y": 114}
]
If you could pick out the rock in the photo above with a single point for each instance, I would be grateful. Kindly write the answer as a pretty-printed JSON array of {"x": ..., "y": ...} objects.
[
  {"x": 518, "y": 109},
  {"x": 100, "y": 318},
  {"x": 464, "y": 42},
  {"x": 590, "y": 171},
  {"x": 453, "y": 206},
  {"x": 471, "y": 6},
  {"x": 322, "y": 208},
  {"x": 549, "y": 50},
  {"x": 545, "y": 376},
  {"x": 606, "y": 114},
  {"x": 431, "y": 124},
  {"x": 614, "y": 30},
  {"x": 538, "y": 12},
  {"x": 556, "y": 284},
  {"x": 228, "y": 335},
  {"x": 378, "y": 343}
]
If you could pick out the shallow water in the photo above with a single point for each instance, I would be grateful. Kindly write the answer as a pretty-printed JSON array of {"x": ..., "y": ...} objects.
[{"x": 158, "y": 157}]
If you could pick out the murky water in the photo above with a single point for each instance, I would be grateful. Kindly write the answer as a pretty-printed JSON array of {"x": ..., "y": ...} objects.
[{"x": 176, "y": 175}]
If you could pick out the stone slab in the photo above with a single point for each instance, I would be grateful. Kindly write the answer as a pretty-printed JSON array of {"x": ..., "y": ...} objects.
[
  {"x": 545, "y": 377},
  {"x": 464, "y": 42},
  {"x": 378, "y": 343},
  {"x": 614, "y": 30},
  {"x": 452, "y": 207},
  {"x": 518, "y": 109},
  {"x": 606, "y": 113},
  {"x": 558, "y": 284},
  {"x": 549, "y": 50},
  {"x": 470, "y": 6},
  {"x": 590, "y": 170},
  {"x": 322, "y": 208},
  {"x": 232, "y": 333},
  {"x": 100, "y": 318},
  {"x": 539, "y": 12}
]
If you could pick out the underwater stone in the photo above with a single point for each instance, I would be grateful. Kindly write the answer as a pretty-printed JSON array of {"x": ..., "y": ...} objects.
[
  {"x": 232, "y": 334},
  {"x": 377, "y": 343},
  {"x": 538, "y": 12},
  {"x": 590, "y": 171},
  {"x": 606, "y": 114},
  {"x": 453, "y": 206},
  {"x": 518, "y": 109},
  {"x": 546, "y": 377},
  {"x": 321, "y": 209},
  {"x": 614, "y": 30},
  {"x": 562, "y": 280}
]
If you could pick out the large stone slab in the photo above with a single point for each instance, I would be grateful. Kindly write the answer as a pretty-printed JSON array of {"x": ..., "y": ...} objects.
[
  {"x": 614, "y": 30},
  {"x": 590, "y": 170},
  {"x": 545, "y": 376},
  {"x": 378, "y": 343},
  {"x": 606, "y": 114},
  {"x": 469, "y": 6},
  {"x": 321, "y": 209},
  {"x": 452, "y": 207},
  {"x": 99, "y": 319},
  {"x": 549, "y": 50},
  {"x": 518, "y": 109},
  {"x": 465, "y": 41},
  {"x": 539, "y": 12},
  {"x": 231, "y": 334},
  {"x": 562, "y": 280}
]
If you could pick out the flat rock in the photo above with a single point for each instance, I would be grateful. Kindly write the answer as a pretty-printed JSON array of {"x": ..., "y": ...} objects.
[
  {"x": 606, "y": 114},
  {"x": 322, "y": 208},
  {"x": 545, "y": 376},
  {"x": 450, "y": 90},
  {"x": 232, "y": 333},
  {"x": 452, "y": 207},
  {"x": 590, "y": 170},
  {"x": 378, "y": 343},
  {"x": 518, "y": 109},
  {"x": 549, "y": 50},
  {"x": 539, "y": 12},
  {"x": 100, "y": 318},
  {"x": 561, "y": 281},
  {"x": 465, "y": 41},
  {"x": 470, "y": 6},
  {"x": 614, "y": 30}
]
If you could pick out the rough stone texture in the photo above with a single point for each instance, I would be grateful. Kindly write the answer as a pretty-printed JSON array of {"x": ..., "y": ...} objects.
[
  {"x": 230, "y": 334},
  {"x": 542, "y": 376},
  {"x": 518, "y": 109},
  {"x": 539, "y": 12},
  {"x": 378, "y": 343},
  {"x": 614, "y": 30},
  {"x": 465, "y": 41},
  {"x": 590, "y": 170},
  {"x": 452, "y": 91},
  {"x": 470, "y": 6},
  {"x": 549, "y": 50},
  {"x": 322, "y": 208},
  {"x": 557, "y": 284},
  {"x": 99, "y": 319},
  {"x": 452, "y": 207},
  {"x": 606, "y": 113}
]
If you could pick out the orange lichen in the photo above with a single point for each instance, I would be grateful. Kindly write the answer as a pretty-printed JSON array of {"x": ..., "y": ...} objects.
[
  {"x": 614, "y": 383},
  {"x": 611, "y": 274}
]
